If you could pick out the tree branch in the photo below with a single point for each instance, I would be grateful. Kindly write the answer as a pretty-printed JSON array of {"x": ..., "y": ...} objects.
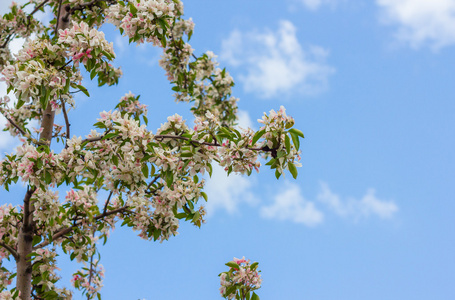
[
  {"x": 26, "y": 222},
  {"x": 95, "y": 139},
  {"x": 22, "y": 131},
  {"x": 10, "y": 250},
  {"x": 35, "y": 10},
  {"x": 61, "y": 232},
  {"x": 83, "y": 6},
  {"x": 178, "y": 137},
  {"x": 7, "y": 40}
]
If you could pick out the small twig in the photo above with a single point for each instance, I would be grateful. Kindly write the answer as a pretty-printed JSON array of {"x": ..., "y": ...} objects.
[
  {"x": 22, "y": 131},
  {"x": 10, "y": 250},
  {"x": 152, "y": 182},
  {"x": 65, "y": 115},
  {"x": 67, "y": 63},
  {"x": 178, "y": 137},
  {"x": 107, "y": 202},
  {"x": 90, "y": 271},
  {"x": 35, "y": 10},
  {"x": 90, "y": 274}
]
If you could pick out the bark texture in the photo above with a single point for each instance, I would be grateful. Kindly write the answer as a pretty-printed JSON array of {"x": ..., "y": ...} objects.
[{"x": 26, "y": 232}]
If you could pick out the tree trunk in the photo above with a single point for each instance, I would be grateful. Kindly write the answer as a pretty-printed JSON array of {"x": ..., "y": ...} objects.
[{"x": 26, "y": 232}]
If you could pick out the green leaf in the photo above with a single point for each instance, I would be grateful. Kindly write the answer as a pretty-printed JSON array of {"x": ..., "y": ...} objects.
[
  {"x": 153, "y": 170},
  {"x": 287, "y": 142},
  {"x": 280, "y": 154},
  {"x": 169, "y": 178},
  {"x": 210, "y": 169},
  {"x": 163, "y": 41},
  {"x": 186, "y": 154},
  {"x": 226, "y": 132},
  {"x": 47, "y": 177},
  {"x": 110, "y": 135},
  {"x": 270, "y": 162},
  {"x": 255, "y": 297},
  {"x": 296, "y": 131},
  {"x": 145, "y": 170},
  {"x": 295, "y": 140},
  {"x": 44, "y": 99},
  {"x": 254, "y": 266},
  {"x": 36, "y": 240},
  {"x": 19, "y": 103},
  {"x": 195, "y": 179},
  {"x": 156, "y": 234},
  {"x": 232, "y": 264},
  {"x": 292, "y": 169},
  {"x": 92, "y": 74},
  {"x": 162, "y": 23},
  {"x": 204, "y": 195},
  {"x": 230, "y": 290},
  {"x": 196, "y": 217},
  {"x": 67, "y": 86},
  {"x": 115, "y": 159},
  {"x": 83, "y": 90},
  {"x": 257, "y": 136},
  {"x": 277, "y": 174},
  {"x": 180, "y": 216}
]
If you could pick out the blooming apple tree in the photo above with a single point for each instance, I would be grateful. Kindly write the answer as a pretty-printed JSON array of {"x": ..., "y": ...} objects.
[
  {"x": 241, "y": 280},
  {"x": 153, "y": 180}
]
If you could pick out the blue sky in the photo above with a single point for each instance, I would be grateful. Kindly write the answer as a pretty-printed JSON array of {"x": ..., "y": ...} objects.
[{"x": 370, "y": 216}]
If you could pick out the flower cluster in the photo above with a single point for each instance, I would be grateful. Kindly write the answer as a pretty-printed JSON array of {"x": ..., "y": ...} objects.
[
  {"x": 47, "y": 212},
  {"x": 86, "y": 45},
  {"x": 9, "y": 220},
  {"x": 18, "y": 23},
  {"x": 40, "y": 74},
  {"x": 37, "y": 167},
  {"x": 182, "y": 27},
  {"x": 277, "y": 132},
  {"x": 44, "y": 263},
  {"x": 242, "y": 279},
  {"x": 199, "y": 81},
  {"x": 89, "y": 279},
  {"x": 130, "y": 104},
  {"x": 144, "y": 20}
]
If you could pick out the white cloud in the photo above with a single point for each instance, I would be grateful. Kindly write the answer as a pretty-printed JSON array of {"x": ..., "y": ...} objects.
[
  {"x": 292, "y": 206},
  {"x": 274, "y": 63},
  {"x": 368, "y": 205},
  {"x": 315, "y": 4},
  {"x": 244, "y": 119},
  {"x": 120, "y": 43},
  {"x": 421, "y": 22},
  {"x": 228, "y": 192},
  {"x": 7, "y": 142}
]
